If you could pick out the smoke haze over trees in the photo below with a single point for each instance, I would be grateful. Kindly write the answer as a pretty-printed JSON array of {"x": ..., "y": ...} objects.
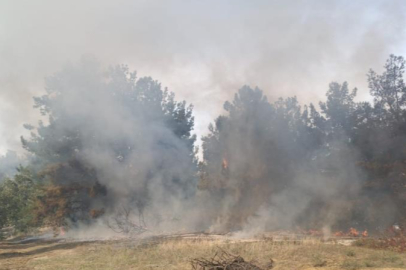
[
  {"x": 9, "y": 163},
  {"x": 289, "y": 166},
  {"x": 110, "y": 139},
  {"x": 94, "y": 144},
  {"x": 114, "y": 143},
  {"x": 203, "y": 50}
]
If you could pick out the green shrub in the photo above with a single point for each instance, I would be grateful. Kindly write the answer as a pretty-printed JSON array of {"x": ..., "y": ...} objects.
[{"x": 17, "y": 199}]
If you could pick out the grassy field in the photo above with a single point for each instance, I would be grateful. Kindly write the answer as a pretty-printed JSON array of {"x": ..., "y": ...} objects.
[{"x": 177, "y": 254}]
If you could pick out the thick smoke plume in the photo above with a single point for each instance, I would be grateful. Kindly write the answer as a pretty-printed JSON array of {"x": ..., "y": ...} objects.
[
  {"x": 124, "y": 140},
  {"x": 270, "y": 165},
  {"x": 282, "y": 165}
]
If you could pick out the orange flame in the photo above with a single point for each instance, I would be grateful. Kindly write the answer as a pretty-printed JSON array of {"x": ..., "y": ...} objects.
[
  {"x": 225, "y": 163},
  {"x": 353, "y": 232},
  {"x": 339, "y": 234}
]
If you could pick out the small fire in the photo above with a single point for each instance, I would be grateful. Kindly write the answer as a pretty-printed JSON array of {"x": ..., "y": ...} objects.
[
  {"x": 62, "y": 231},
  {"x": 339, "y": 234},
  {"x": 225, "y": 163},
  {"x": 353, "y": 232}
]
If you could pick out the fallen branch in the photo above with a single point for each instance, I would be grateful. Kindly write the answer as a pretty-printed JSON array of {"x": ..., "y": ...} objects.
[
  {"x": 122, "y": 223},
  {"x": 223, "y": 260}
]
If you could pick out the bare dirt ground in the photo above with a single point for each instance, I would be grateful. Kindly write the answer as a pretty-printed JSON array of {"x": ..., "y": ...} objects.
[{"x": 176, "y": 252}]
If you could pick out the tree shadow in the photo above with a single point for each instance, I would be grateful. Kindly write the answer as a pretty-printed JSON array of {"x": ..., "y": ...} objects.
[
  {"x": 27, "y": 244},
  {"x": 61, "y": 246}
]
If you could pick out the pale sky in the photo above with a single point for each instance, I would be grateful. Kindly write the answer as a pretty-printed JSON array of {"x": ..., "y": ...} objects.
[{"x": 202, "y": 50}]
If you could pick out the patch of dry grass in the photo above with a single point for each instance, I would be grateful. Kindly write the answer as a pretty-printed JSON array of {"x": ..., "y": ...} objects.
[{"x": 177, "y": 254}]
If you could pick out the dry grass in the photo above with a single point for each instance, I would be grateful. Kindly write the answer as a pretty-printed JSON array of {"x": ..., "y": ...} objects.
[{"x": 177, "y": 254}]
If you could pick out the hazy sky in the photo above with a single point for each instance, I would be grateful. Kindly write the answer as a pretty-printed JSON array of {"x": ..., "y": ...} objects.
[{"x": 202, "y": 50}]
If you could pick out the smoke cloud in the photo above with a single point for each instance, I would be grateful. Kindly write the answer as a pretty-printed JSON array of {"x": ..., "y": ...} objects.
[
  {"x": 115, "y": 140},
  {"x": 203, "y": 51}
]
